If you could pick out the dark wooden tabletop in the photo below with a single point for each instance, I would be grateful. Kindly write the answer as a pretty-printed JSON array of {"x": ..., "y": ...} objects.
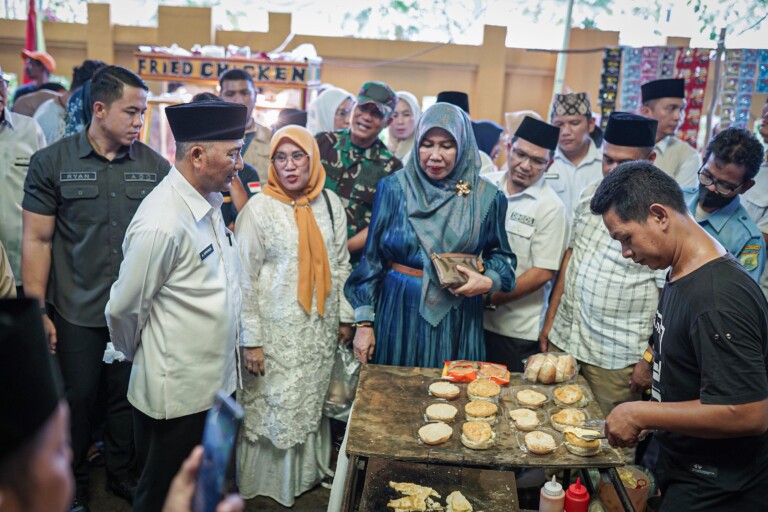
[
  {"x": 486, "y": 490},
  {"x": 388, "y": 412}
]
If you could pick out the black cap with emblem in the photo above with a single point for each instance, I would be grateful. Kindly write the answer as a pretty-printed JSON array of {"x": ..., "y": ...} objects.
[
  {"x": 30, "y": 383},
  {"x": 632, "y": 130},
  {"x": 207, "y": 121},
  {"x": 538, "y": 132}
]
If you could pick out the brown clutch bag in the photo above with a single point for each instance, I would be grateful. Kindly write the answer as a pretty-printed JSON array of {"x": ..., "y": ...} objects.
[{"x": 445, "y": 266}]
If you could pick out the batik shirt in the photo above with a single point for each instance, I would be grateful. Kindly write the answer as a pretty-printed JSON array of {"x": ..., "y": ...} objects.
[{"x": 353, "y": 173}]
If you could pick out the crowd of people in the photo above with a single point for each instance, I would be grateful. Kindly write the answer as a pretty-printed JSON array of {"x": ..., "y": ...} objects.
[{"x": 369, "y": 223}]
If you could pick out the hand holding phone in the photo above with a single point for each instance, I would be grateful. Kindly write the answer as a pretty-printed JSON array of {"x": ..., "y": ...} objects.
[{"x": 221, "y": 428}]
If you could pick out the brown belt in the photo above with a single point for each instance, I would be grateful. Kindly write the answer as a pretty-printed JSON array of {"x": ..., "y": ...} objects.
[{"x": 413, "y": 272}]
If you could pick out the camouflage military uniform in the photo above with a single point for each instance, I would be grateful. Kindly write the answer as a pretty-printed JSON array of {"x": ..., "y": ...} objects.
[{"x": 353, "y": 173}]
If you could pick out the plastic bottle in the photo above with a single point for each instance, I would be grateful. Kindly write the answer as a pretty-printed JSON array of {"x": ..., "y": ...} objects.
[
  {"x": 576, "y": 498},
  {"x": 552, "y": 497}
]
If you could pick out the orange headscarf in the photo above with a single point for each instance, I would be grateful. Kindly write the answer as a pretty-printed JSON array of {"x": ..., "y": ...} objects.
[{"x": 314, "y": 268}]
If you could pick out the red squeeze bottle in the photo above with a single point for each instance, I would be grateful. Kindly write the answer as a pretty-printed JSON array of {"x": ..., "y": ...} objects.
[{"x": 576, "y": 498}]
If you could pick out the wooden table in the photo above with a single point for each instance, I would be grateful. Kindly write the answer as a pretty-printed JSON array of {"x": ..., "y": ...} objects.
[{"x": 388, "y": 412}]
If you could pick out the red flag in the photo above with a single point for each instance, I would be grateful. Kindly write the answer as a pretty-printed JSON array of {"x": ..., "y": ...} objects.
[{"x": 31, "y": 43}]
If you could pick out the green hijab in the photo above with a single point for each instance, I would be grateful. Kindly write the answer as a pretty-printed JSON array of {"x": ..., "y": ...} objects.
[{"x": 444, "y": 221}]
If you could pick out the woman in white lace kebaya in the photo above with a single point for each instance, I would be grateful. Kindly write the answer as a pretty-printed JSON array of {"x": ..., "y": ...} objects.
[{"x": 293, "y": 243}]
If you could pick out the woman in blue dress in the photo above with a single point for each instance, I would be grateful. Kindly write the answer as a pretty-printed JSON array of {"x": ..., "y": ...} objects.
[{"x": 403, "y": 317}]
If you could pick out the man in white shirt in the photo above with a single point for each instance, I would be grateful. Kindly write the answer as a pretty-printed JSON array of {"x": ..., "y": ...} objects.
[
  {"x": 755, "y": 200},
  {"x": 175, "y": 307},
  {"x": 20, "y": 137},
  {"x": 577, "y": 159},
  {"x": 603, "y": 304},
  {"x": 537, "y": 230},
  {"x": 664, "y": 101}
]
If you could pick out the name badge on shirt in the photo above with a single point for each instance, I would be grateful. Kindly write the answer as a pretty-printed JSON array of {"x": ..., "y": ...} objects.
[
  {"x": 140, "y": 176},
  {"x": 551, "y": 176},
  {"x": 524, "y": 219},
  {"x": 77, "y": 176},
  {"x": 206, "y": 252}
]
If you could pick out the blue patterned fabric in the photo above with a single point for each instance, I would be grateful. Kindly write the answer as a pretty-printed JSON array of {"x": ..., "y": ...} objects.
[{"x": 403, "y": 336}]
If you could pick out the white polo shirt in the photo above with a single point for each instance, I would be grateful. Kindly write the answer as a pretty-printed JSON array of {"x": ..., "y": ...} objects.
[
  {"x": 678, "y": 159},
  {"x": 538, "y": 231},
  {"x": 569, "y": 180}
]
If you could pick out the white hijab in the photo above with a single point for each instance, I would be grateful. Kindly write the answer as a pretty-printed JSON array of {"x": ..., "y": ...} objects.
[
  {"x": 401, "y": 148},
  {"x": 322, "y": 111}
]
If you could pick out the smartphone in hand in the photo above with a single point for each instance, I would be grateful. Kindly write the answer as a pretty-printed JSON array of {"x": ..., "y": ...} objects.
[{"x": 221, "y": 428}]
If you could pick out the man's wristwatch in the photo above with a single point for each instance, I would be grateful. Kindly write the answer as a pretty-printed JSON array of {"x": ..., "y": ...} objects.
[
  {"x": 362, "y": 324},
  {"x": 648, "y": 356},
  {"x": 488, "y": 305}
]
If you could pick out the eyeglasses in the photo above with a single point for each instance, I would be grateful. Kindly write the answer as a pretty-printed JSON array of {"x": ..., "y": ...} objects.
[
  {"x": 721, "y": 187},
  {"x": 536, "y": 163},
  {"x": 296, "y": 157},
  {"x": 342, "y": 112}
]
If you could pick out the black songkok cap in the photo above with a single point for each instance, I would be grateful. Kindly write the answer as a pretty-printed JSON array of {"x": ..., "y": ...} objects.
[
  {"x": 538, "y": 132},
  {"x": 29, "y": 382},
  {"x": 207, "y": 121},
  {"x": 666, "y": 88},
  {"x": 631, "y": 130},
  {"x": 460, "y": 99}
]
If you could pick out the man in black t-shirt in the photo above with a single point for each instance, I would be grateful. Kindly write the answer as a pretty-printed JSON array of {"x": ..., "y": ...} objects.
[{"x": 709, "y": 350}]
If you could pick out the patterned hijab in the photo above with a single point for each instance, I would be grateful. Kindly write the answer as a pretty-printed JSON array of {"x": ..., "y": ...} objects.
[
  {"x": 444, "y": 221},
  {"x": 314, "y": 268}
]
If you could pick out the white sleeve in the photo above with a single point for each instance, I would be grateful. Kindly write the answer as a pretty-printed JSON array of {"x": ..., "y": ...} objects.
[
  {"x": 150, "y": 255},
  {"x": 41, "y": 142},
  {"x": 248, "y": 234},
  {"x": 550, "y": 240},
  {"x": 346, "y": 311},
  {"x": 687, "y": 175}
]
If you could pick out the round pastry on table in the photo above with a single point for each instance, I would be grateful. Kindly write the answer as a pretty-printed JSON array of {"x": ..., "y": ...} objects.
[
  {"x": 477, "y": 435},
  {"x": 435, "y": 433},
  {"x": 577, "y": 445},
  {"x": 540, "y": 443},
  {"x": 567, "y": 418},
  {"x": 531, "y": 398},
  {"x": 480, "y": 410},
  {"x": 442, "y": 412},
  {"x": 483, "y": 389},
  {"x": 442, "y": 389},
  {"x": 525, "y": 419},
  {"x": 570, "y": 395}
]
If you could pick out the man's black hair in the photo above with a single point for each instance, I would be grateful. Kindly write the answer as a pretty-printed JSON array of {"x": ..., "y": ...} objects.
[
  {"x": 84, "y": 72},
  {"x": 235, "y": 74},
  {"x": 52, "y": 86},
  {"x": 737, "y": 146},
  {"x": 108, "y": 83},
  {"x": 632, "y": 188},
  {"x": 204, "y": 96}
]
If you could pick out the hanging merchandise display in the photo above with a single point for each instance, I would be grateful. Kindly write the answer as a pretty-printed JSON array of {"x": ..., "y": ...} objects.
[
  {"x": 631, "y": 67},
  {"x": 738, "y": 87},
  {"x": 693, "y": 67},
  {"x": 746, "y": 87},
  {"x": 761, "y": 86},
  {"x": 609, "y": 82}
]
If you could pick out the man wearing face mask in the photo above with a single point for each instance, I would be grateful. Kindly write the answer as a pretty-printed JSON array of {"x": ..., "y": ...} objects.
[{"x": 731, "y": 162}]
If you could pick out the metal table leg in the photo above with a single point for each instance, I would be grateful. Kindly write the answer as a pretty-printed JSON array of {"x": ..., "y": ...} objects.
[{"x": 621, "y": 491}]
